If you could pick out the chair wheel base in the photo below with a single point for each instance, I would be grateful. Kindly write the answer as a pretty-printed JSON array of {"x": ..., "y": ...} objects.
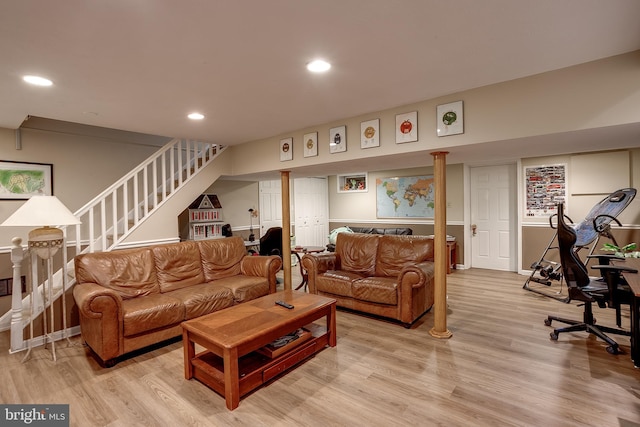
[
  {"x": 612, "y": 349},
  {"x": 547, "y": 322},
  {"x": 553, "y": 335}
]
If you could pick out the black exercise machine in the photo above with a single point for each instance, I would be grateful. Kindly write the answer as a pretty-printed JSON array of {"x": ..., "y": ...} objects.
[{"x": 596, "y": 224}]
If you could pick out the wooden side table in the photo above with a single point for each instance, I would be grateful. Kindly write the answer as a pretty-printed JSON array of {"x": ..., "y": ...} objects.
[
  {"x": 305, "y": 250},
  {"x": 452, "y": 255}
]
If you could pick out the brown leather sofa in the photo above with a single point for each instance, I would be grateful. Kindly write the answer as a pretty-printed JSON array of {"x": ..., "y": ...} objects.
[
  {"x": 130, "y": 299},
  {"x": 384, "y": 275}
]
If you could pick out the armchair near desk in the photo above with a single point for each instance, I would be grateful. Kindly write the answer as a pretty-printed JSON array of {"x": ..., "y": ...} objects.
[{"x": 612, "y": 292}]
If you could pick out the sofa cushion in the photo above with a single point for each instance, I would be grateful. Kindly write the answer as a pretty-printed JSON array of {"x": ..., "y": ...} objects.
[
  {"x": 245, "y": 288},
  {"x": 129, "y": 272},
  {"x": 397, "y": 252},
  {"x": 357, "y": 252},
  {"x": 151, "y": 312},
  {"x": 337, "y": 282},
  {"x": 382, "y": 290},
  {"x": 178, "y": 265},
  {"x": 203, "y": 299},
  {"x": 221, "y": 257}
]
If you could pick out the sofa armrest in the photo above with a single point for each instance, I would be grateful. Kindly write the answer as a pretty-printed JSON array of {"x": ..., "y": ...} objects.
[
  {"x": 315, "y": 264},
  {"x": 410, "y": 280},
  {"x": 262, "y": 266},
  {"x": 101, "y": 319}
]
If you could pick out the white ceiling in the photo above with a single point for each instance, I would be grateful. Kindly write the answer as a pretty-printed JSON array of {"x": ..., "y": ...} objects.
[{"x": 143, "y": 65}]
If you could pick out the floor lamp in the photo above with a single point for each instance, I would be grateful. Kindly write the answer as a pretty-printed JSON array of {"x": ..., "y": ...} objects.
[{"x": 47, "y": 213}]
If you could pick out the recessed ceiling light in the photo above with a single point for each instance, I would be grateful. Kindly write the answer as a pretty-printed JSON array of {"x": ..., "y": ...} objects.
[
  {"x": 38, "y": 81},
  {"x": 318, "y": 66},
  {"x": 196, "y": 116}
]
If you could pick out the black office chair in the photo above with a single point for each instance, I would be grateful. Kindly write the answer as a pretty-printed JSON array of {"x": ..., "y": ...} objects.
[
  {"x": 581, "y": 287},
  {"x": 271, "y": 242}
]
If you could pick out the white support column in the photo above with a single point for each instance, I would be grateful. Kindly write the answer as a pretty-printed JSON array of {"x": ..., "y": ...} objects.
[{"x": 17, "y": 255}]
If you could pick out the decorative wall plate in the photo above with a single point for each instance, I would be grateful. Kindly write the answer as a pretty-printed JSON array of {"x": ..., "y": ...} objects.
[
  {"x": 450, "y": 119},
  {"x": 370, "y": 133},
  {"x": 310, "y": 144},
  {"x": 338, "y": 139},
  {"x": 407, "y": 127},
  {"x": 286, "y": 149}
]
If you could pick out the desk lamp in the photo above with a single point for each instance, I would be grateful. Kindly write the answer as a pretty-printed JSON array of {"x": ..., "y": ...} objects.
[{"x": 47, "y": 213}]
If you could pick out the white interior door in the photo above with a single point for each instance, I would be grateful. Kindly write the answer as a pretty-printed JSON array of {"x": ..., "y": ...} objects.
[
  {"x": 270, "y": 205},
  {"x": 493, "y": 215},
  {"x": 311, "y": 200}
]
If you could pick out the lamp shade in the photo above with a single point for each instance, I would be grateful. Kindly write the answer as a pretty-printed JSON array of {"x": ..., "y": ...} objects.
[{"x": 40, "y": 211}]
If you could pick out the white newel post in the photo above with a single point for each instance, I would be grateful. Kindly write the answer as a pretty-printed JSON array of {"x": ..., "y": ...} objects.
[{"x": 17, "y": 255}]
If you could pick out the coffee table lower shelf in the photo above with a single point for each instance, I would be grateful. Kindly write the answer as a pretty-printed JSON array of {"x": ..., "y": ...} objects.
[{"x": 254, "y": 368}]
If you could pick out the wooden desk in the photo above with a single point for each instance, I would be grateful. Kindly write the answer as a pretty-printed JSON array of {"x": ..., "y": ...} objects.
[{"x": 634, "y": 282}]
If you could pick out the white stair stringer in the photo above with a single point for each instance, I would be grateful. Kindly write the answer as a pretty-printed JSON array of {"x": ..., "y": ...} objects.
[{"x": 112, "y": 216}]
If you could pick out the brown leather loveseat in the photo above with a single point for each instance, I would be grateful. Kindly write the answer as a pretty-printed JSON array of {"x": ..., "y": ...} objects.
[
  {"x": 129, "y": 299},
  {"x": 384, "y": 275}
]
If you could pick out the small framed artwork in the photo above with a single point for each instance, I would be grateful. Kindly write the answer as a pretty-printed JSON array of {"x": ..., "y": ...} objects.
[
  {"x": 370, "y": 133},
  {"x": 286, "y": 149},
  {"x": 338, "y": 139},
  {"x": 352, "y": 183},
  {"x": 21, "y": 180},
  {"x": 407, "y": 127},
  {"x": 450, "y": 119},
  {"x": 310, "y": 144}
]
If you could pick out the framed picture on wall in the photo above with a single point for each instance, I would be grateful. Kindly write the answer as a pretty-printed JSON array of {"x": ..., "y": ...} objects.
[
  {"x": 338, "y": 139},
  {"x": 450, "y": 119},
  {"x": 353, "y": 183},
  {"x": 310, "y": 142},
  {"x": 405, "y": 197},
  {"x": 370, "y": 133},
  {"x": 545, "y": 187},
  {"x": 407, "y": 127},
  {"x": 21, "y": 180},
  {"x": 286, "y": 149}
]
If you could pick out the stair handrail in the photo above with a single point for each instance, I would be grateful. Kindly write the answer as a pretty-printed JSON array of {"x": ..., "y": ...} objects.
[{"x": 186, "y": 158}]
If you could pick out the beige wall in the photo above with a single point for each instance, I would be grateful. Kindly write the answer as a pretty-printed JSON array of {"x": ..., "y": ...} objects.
[
  {"x": 587, "y": 186},
  {"x": 597, "y": 94},
  {"x": 347, "y": 207},
  {"x": 83, "y": 166}
]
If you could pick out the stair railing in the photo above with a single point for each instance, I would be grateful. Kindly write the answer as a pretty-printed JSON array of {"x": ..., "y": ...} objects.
[{"x": 108, "y": 219}]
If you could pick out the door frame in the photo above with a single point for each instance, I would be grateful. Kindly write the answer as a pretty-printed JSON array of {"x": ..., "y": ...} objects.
[{"x": 516, "y": 224}]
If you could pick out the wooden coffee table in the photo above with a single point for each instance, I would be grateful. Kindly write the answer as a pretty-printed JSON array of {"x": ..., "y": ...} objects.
[{"x": 230, "y": 365}]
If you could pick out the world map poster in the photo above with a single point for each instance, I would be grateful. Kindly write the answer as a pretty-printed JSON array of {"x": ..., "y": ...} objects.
[{"x": 405, "y": 197}]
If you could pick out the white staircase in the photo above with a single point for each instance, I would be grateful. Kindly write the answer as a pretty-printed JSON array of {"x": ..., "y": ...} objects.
[{"x": 107, "y": 220}]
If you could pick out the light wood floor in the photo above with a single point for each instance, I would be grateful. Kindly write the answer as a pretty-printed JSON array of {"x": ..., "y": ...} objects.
[{"x": 498, "y": 369}]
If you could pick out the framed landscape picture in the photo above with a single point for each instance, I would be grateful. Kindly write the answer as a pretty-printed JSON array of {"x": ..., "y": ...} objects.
[{"x": 21, "y": 180}]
